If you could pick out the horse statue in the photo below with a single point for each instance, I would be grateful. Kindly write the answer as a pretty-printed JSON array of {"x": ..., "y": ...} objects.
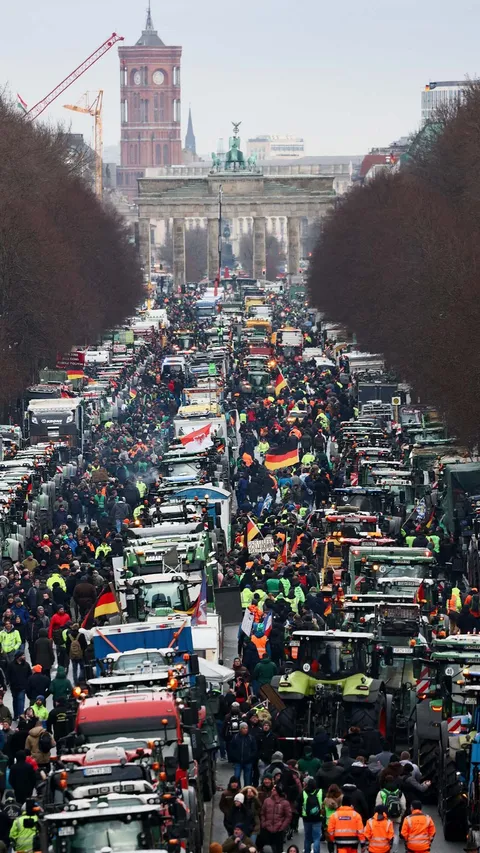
[
  {"x": 216, "y": 162},
  {"x": 252, "y": 162}
]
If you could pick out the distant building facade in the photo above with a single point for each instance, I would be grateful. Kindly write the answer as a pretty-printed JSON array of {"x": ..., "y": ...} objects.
[
  {"x": 150, "y": 100},
  {"x": 275, "y": 147},
  {"x": 440, "y": 94}
]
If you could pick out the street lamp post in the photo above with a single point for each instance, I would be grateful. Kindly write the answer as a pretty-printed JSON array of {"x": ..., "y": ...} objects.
[{"x": 217, "y": 280}]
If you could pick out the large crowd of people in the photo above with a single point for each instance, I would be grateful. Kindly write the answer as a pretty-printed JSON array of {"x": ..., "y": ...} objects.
[{"x": 348, "y": 796}]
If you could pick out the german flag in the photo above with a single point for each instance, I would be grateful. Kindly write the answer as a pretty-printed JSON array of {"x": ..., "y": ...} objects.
[
  {"x": 75, "y": 374},
  {"x": 283, "y": 556},
  {"x": 252, "y": 530},
  {"x": 280, "y": 383},
  {"x": 133, "y": 393},
  {"x": 106, "y": 604},
  {"x": 297, "y": 543},
  {"x": 282, "y": 456}
]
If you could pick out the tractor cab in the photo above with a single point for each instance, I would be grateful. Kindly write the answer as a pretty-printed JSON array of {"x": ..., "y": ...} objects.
[{"x": 395, "y": 571}]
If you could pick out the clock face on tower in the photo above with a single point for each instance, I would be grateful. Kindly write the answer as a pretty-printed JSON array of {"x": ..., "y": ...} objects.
[
  {"x": 158, "y": 77},
  {"x": 137, "y": 78}
]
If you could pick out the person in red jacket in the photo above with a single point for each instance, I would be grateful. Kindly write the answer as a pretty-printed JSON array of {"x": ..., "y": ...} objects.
[
  {"x": 57, "y": 623},
  {"x": 275, "y": 819}
]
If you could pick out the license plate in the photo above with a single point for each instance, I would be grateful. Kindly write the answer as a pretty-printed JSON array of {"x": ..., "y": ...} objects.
[
  {"x": 399, "y": 651},
  {"x": 96, "y": 771},
  {"x": 295, "y": 643},
  {"x": 130, "y": 597},
  {"x": 470, "y": 700},
  {"x": 66, "y": 830}
]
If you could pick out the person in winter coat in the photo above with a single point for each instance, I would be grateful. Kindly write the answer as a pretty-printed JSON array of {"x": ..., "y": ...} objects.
[
  {"x": 226, "y": 802},
  {"x": 264, "y": 672},
  {"x": 332, "y": 801},
  {"x": 243, "y": 753},
  {"x": 358, "y": 800},
  {"x": 61, "y": 686},
  {"x": 275, "y": 819},
  {"x": 34, "y": 743},
  {"x": 323, "y": 744},
  {"x": 308, "y": 765},
  {"x": 5, "y": 713},
  {"x": 267, "y": 743},
  {"x": 38, "y": 684},
  {"x": 10, "y": 641},
  {"x": 84, "y": 595},
  {"x": 239, "y": 815},
  {"x": 22, "y": 777},
  {"x": 330, "y": 773},
  {"x": 120, "y": 511},
  {"x": 18, "y": 674},
  {"x": 238, "y": 841},
  {"x": 57, "y": 623},
  {"x": 76, "y": 645},
  {"x": 253, "y": 809},
  {"x": 265, "y": 789},
  {"x": 43, "y": 652}
]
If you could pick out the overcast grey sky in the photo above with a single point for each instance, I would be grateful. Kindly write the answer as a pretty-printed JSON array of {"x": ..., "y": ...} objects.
[{"x": 344, "y": 75}]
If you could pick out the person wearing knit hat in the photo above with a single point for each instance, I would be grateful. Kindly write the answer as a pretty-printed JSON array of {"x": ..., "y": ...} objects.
[
  {"x": 38, "y": 684},
  {"x": 237, "y": 841},
  {"x": 239, "y": 798}
]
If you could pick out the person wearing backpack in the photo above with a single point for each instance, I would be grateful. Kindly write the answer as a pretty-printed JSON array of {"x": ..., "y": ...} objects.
[
  {"x": 40, "y": 742},
  {"x": 76, "y": 644},
  {"x": 395, "y": 804},
  {"x": 311, "y": 811},
  {"x": 332, "y": 801}
]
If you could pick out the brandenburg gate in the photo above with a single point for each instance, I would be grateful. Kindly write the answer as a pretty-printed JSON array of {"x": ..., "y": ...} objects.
[{"x": 246, "y": 192}]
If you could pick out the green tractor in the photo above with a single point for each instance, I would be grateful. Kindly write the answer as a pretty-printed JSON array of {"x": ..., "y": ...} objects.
[
  {"x": 402, "y": 635},
  {"x": 331, "y": 680},
  {"x": 446, "y": 728}
]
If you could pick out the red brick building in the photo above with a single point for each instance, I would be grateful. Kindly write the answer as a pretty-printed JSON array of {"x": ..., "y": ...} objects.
[{"x": 150, "y": 100}]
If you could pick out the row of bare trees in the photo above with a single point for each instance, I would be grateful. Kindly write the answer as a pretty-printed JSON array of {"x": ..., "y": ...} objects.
[
  {"x": 398, "y": 262},
  {"x": 67, "y": 269}
]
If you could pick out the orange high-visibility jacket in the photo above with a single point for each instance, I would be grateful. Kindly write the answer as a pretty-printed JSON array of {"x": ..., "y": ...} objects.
[
  {"x": 379, "y": 834},
  {"x": 345, "y": 828},
  {"x": 418, "y": 831}
]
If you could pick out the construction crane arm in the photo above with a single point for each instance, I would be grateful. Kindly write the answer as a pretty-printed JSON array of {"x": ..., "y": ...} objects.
[
  {"x": 77, "y": 109},
  {"x": 42, "y": 105}
]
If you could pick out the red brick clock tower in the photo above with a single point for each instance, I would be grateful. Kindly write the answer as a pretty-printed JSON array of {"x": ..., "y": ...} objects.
[{"x": 150, "y": 107}]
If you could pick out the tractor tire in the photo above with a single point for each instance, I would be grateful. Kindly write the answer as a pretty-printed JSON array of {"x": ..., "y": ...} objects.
[
  {"x": 378, "y": 716},
  {"x": 425, "y": 754},
  {"x": 452, "y": 805},
  {"x": 208, "y": 778}
]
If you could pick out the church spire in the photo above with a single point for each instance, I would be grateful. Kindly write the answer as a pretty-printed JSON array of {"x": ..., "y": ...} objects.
[
  {"x": 150, "y": 37},
  {"x": 190, "y": 141},
  {"x": 149, "y": 24}
]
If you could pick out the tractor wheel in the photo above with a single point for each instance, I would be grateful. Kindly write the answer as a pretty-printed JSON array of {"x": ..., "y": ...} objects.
[
  {"x": 425, "y": 754},
  {"x": 378, "y": 716},
  {"x": 208, "y": 780},
  {"x": 452, "y": 805}
]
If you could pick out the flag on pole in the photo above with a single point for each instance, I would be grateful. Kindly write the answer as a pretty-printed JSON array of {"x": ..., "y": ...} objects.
[
  {"x": 198, "y": 439},
  {"x": 106, "y": 604},
  {"x": 282, "y": 456},
  {"x": 199, "y": 616},
  {"x": 21, "y": 104},
  {"x": 75, "y": 374},
  {"x": 252, "y": 530},
  {"x": 296, "y": 544},
  {"x": 267, "y": 624},
  {"x": 280, "y": 383},
  {"x": 283, "y": 556}
]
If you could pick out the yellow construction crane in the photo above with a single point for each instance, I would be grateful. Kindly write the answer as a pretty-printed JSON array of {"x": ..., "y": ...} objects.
[{"x": 94, "y": 108}]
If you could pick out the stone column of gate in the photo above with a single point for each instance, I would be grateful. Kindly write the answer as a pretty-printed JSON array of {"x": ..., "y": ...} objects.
[
  {"x": 259, "y": 249},
  {"x": 212, "y": 235},
  {"x": 293, "y": 233},
  {"x": 144, "y": 247},
  {"x": 178, "y": 253}
]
